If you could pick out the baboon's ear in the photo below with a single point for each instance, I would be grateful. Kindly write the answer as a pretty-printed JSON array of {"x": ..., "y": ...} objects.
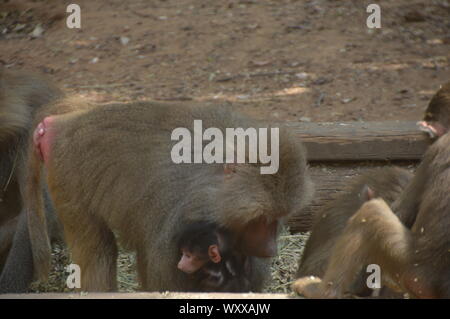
[
  {"x": 214, "y": 254},
  {"x": 366, "y": 194}
]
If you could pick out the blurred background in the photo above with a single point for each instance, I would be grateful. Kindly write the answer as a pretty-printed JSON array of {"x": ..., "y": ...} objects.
[{"x": 305, "y": 60}]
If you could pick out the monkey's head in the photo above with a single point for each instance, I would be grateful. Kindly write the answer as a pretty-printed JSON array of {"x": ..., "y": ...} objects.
[
  {"x": 250, "y": 209},
  {"x": 436, "y": 121},
  {"x": 253, "y": 206},
  {"x": 199, "y": 245}
]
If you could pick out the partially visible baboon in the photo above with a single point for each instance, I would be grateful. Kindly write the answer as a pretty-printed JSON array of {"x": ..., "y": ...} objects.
[
  {"x": 7, "y": 230},
  {"x": 209, "y": 258},
  {"x": 414, "y": 260},
  {"x": 436, "y": 121},
  {"x": 18, "y": 270},
  {"x": 387, "y": 183},
  {"x": 22, "y": 94},
  {"x": 109, "y": 169}
]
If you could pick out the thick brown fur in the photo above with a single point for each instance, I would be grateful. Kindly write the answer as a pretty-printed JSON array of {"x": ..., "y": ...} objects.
[
  {"x": 387, "y": 183},
  {"x": 418, "y": 194},
  {"x": 22, "y": 94},
  {"x": 110, "y": 171},
  {"x": 413, "y": 260}
]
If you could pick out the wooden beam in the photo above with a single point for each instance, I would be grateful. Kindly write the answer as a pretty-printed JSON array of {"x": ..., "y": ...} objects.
[
  {"x": 329, "y": 180},
  {"x": 148, "y": 295},
  {"x": 361, "y": 141}
]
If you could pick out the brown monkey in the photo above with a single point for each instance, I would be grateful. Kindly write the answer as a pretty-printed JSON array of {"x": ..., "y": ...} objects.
[
  {"x": 208, "y": 256},
  {"x": 22, "y": 94},
  {"x": 329, "y": 223},
  {"x": 7, "y": 230},
  {"x": 414, "y": 259},
  {"x": 109, "y": 169},
  {"x": 436, "y": 121}
]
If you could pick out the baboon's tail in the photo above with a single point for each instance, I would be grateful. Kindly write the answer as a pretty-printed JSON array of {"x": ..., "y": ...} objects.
[{"x": 37, "y": 224}]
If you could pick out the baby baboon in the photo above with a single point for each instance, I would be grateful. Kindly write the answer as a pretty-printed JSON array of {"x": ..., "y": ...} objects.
[
  {"x": 109, "y": 169},
  {"x": 208, "y": 256}
]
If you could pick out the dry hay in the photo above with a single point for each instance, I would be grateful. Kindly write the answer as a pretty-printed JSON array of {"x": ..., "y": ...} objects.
[
  {"x": 126, "y": 279},
  {"x": 57, "y": 278},
  {"x": 283, "y": 267}
]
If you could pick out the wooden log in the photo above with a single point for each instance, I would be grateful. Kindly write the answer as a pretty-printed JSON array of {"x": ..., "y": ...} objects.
[
  {"x": 330, "y": 179},
  {"x": 361, "y": 141}
]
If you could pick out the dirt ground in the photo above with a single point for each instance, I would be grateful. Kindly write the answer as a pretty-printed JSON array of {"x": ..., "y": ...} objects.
[{"x": 284, "y": 60}]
